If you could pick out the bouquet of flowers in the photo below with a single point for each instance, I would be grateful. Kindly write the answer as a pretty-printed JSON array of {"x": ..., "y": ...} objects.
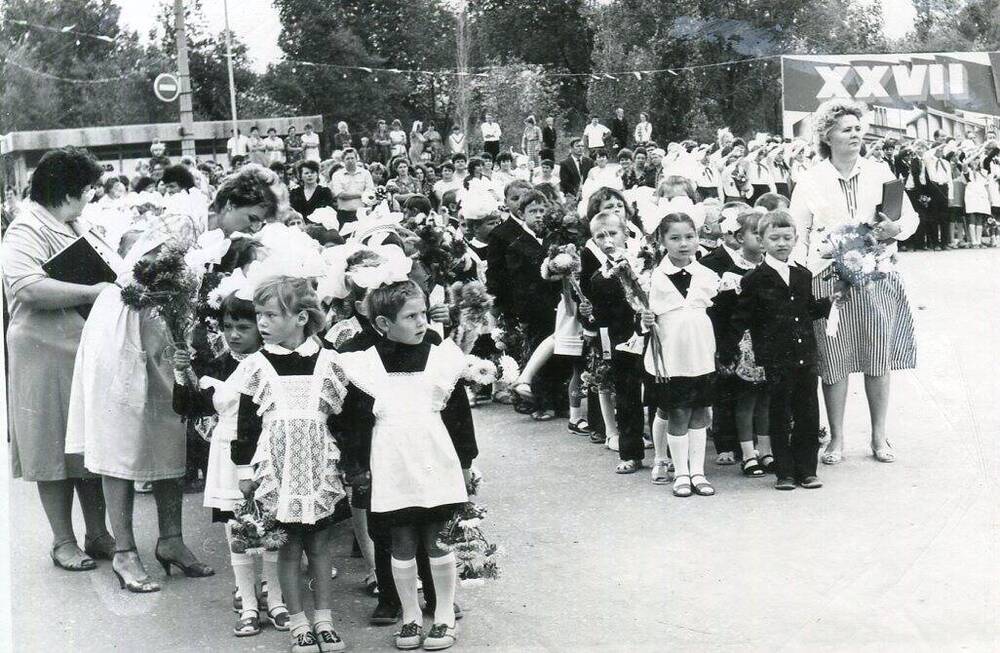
[
  {"x": 168, "y": 286},
  {"x": 638, "y": 300},
  {"x": 474, "y": 554},
  {"x": 474, "y": 318},
  {"x": 597, "y": 376},
  {"x": 438, "y": 249},
  {"x": 858, "y": 259},
  {"x": 254, "y": 529},
  {"x": 564, "y": 261},
  {"x": 481, "y": 371}
]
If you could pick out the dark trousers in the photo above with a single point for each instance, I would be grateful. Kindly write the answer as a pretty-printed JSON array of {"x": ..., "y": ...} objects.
[
  {"x": 387, "y": 594},
  {"x": 794, "y": 420},
  {"x": 938, "y": 216},
  {"x": 492, "y": 148},
  {"x": 724, "y": 435},
  {"x": 626, "y": 370}
]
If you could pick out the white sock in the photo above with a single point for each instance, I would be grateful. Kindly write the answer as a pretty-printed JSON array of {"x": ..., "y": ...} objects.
[
  {"x": 660, "y": 439},
  {"x": 322, "y": 617},
  {"x": 246, "y": 579},
  {"x": 270, "y": 568},
  {"x": 696, "y": 450},
  {"x": 445, "y": 575},
  {"x": 608, "y": 413},
  {"x": 404, "y": 574},
  {"x": 764, "y": 445},
  {"x": 298, "y": 623},
  {"x": 679, "y": 445},
  {"x": 747, "y": 449},
  {"x": 576, "y": 413}
]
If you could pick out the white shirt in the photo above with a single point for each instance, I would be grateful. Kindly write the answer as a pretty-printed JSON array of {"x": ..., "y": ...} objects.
[
  {"x": 238, "y": 146},
  {"x": 643, "y": 132},
  {"x": 594, "y": 134},
  {"x": 441, "y": 187},
  {"x": 780, "y": 267},
  {"x": 310, "y": 147},
  {"x": 353, "y": 183},
  {"x": 490, "y": 131},
  {"x": 936, "y": 169},
  {"x": 823, "y": 199}
]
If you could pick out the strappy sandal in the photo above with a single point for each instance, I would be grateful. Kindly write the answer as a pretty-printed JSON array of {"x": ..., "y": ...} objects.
[
  {"x": 523, "y": 390},
  {"x": 704, "y": 488},
  {"x": 628, "y": 467},
  {"x": 277, "y": 614},
  {"x": 140, "y": 586},
  {"x": 751, "y": 467},
  {"x": 248, "y": 624},
  {"x": 767, "y": 463},
  {"x": 194, "y": 570},
  {"x": 682, "y": 486},
  {"x": 832, "y": 457},
  {"x": 580, "y": 427},
  {"x": 100, "y": 548},
  {"x": 885, "y": 454},
  {"x": 726, "y": 458},
  {"x": 81, "y": 562}
]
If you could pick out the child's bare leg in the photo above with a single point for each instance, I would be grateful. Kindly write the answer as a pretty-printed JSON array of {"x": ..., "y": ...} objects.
[
  {"x": 443, "y": 572},
  {"x": 762, "y": 422},
  {"x": 289, "y": 561},
  {"x": 404, "y": 571},
  {"x": 317, "y": 546},
  {"x": 608, "y": 413},
  {"x": 359, "y": 519},
  {"x": 541, "y": 355}
]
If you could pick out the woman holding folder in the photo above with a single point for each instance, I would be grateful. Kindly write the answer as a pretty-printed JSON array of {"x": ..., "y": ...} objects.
[
  {"x": 875, "y": 334},
  {"x": 42, "y": 340}
]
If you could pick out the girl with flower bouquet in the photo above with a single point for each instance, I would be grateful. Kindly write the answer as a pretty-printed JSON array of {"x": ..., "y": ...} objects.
[
  {"x": 410, "y": 432},
  {"x": 216, "y": 394}
]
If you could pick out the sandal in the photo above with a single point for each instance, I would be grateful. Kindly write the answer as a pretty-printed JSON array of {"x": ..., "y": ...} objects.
[
  {"x": 704, "y": 488},
  {"x": 371, "y": 584},
  {"x": 523, "y": 390},
  {"x": 543, "y": 415},
  {"x": 278, "y": 616},
  {"x": 140, "y": 586},
  {"x": 726, "y": 458},
  {"x": 101, "y": 547},
  {"x": 248, "y": 624},
  {"x": 580, "y": 427},
  {"x": 767, "y": 463},
  {"x": 751, "y": 467},
  {"x": 885, "y": 454},
  {"x": 832, "y": 457},
  {"x": 628, "y": 467},
  {"x": 682, "y": 486},
  {"x": 660, "y": 474},
  {"x": 79, "y": 562}
]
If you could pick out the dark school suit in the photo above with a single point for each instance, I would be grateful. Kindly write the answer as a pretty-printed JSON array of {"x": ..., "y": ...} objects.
[
  {"x": 571, "y": 177},
  {"x": 497, "y": 282},
  {"x": 724, "y": 435},
  {"x": 532, "y": 300},
  {"x": 613, "y": 313},
  {"x": 780, "y": 319},
  {"x": 322, "y": 196}
]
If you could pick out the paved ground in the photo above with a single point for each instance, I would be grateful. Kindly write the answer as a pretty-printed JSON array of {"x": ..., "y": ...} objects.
[{"x": 900, "y": 557}]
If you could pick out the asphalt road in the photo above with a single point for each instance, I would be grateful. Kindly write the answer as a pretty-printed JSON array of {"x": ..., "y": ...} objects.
[{"x": 900, "y": 557}]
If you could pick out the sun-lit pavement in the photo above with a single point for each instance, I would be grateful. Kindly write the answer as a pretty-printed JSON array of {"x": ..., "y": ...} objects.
[{"x": 900, "y": 557}]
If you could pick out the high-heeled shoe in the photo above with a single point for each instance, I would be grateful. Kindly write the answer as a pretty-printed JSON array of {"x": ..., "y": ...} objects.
[
  {"x": 140, "y": 586},
  {"x": 194, "y": 570},
  {"x": 100, "y": 548}
]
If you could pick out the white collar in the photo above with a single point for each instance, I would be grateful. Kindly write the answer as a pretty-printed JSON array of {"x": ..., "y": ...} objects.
[
  {"x": 307, "y": 348},
  {"x": 856, "y": 170},
  {"x": 668, "y": 268},
  {"x": 598, "y": 253},
  {"x": 475, "y": 242},
  {"x": 733, "y": 251},
  {"x": 780, "y": 267}
]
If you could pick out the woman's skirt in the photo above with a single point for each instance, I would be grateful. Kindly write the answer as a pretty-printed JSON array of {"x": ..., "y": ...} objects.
[{"x": 875, "y": 334}]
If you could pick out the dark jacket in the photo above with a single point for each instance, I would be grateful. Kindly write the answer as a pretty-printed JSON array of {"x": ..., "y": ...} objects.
[
  {"x": 531, "y": 299},
  {"x": 780, "y": 317},
  {"x": 724, "y": 303},
  {"x": 611, "y": 310},
  {"x": 549, "y": 138},
  {"x": 496, "y": 263},
  {"x": 322, "y": 196},
  {"x": 570, "y": 179}
]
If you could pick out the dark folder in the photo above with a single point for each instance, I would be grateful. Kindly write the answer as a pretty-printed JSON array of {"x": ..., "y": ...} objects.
[
  {"x": 892, "y": 199},
  {"x": 79, "y": 262}
]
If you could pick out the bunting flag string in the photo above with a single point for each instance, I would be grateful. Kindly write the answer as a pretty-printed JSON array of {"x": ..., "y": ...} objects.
[{"x": 100, "y": 80}]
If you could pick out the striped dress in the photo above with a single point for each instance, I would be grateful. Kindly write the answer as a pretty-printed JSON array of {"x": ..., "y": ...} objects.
[{"x": 876, "y": 333}]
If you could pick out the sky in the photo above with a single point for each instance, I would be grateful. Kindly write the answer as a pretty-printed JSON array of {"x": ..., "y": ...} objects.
[{"x": 256, "y": 23}]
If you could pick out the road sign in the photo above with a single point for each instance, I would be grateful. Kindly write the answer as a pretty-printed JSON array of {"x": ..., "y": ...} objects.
[{"x": 167, "y": 87}]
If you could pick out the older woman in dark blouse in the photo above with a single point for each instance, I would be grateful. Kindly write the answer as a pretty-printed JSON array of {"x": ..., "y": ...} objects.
[{"x": 309, "y": 195}]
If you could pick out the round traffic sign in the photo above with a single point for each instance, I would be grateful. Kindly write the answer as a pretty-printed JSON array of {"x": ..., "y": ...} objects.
[{"x": 167, "y": 87}]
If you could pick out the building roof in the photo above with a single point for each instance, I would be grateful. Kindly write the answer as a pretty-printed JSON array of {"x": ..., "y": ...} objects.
[{"x": 136, "y": 134}]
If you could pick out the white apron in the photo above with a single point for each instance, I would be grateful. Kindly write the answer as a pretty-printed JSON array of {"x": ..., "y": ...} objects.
[{"x": 222, "y": 484}]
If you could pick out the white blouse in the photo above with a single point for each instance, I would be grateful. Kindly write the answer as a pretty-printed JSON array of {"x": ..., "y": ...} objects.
[
  {"x": 824, "y": 199},
  {"x": 682, "y": 322}
]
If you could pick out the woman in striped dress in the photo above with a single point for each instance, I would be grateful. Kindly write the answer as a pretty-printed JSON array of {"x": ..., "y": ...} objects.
[{"x": 875, "y": 335}]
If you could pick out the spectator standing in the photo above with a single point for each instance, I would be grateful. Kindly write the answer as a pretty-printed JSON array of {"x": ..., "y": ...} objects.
[
  {"x": 531, "y": 140},
  {"x": 643, "y": 130},
  {"x": 293, "y": 146},
  {"x": 619, "y": 130},
  {"x": 343, "y": 138},
  {"x": 549, "y": 138},
  {"x": 594, "y": 135},
  {"x": 383, "y": 145},
  {"x": 456, "y": 141},
  {"x": 416, "y": 142},
  {"x": 491, "y": 134},
  {"x": 310, "y": 144},
  {"x": 432, "y": 141},
  {"x": 237, "y": 145},
  {"x": 275, "y": 147},
  {"x": 348, "y": 185},
  {"x": 309, "y": 196}
]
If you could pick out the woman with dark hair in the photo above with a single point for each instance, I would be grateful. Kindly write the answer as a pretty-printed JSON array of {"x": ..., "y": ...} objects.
[
  {"x": 309, "y": 195},
  {"x": 258, "y": 148},
  {"x": 177, "y": 178},
  {"x": 42, "y": 339},
  {"x": 405, "y": 183}
]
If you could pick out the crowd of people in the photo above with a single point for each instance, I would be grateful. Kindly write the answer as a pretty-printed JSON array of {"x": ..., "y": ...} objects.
[{"x": 651, "y": 297}]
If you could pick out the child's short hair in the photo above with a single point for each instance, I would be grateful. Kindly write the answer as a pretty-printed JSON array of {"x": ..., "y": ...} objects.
[
  {"x": 672, "y": 219},
  {"x": 388, "y": 300},
  {"x": 531, "y": 196},
  {"x": 417, "y": 204},
  {"x": 459, "y": 156},
  {"x": 293, "y": 295},
  {"x": 547, "y": 162},
  {"x": 237, "y": 309},
  {"x": 505, "y": 156},
  {"x": 677, "y": 186},
  {"x": 447, "y": 166},
  {"x": 772, "y": 201},
  {"x": 599, "y": 152},
  {"x": 603, "y": 194},
  {"x": 749, "y": 221},
  {"x": 776, "y": 219},
  {"x": 549, "y": 190},
  {"x": 450, "y": 197},
  {"x": 242, "y": 252},
  {"x": 520, "y": 184},
  {"x": 604, "y": 217}
]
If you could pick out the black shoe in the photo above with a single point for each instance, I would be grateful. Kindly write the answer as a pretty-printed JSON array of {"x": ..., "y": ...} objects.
[
  {"x": 811, "y": 483},
  {"x": 598, "y": 438},
  {"x": 385, "y": 615},
  {"x": 785, "y": 484}
]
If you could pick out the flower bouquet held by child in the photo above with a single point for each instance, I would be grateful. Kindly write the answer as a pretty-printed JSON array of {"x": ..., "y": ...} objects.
[
  {"x": 564, "y": 261},
  {"x": 474, "y": 306},
  {"x": 858, "y": 259},
  {"x": 255, "y": 530},
  {"x": 638, "y": 299},
  {"x": 475, "y": 555}
]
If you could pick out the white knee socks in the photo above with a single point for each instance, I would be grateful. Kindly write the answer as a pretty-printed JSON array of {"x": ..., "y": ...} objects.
[
  {"x": 445, "y": 575},
  {"x": 246, "y": 579},
  {"x": 679, "y": 445},
  {"x": 660, "y": 442},
  {"x": 274, "y": 594},
  {"x": 696, "y": 450},
  {"x": 404, "y": 574},
  {"x": 608, "y": 413},
  {"x": 764, "y": 445}
]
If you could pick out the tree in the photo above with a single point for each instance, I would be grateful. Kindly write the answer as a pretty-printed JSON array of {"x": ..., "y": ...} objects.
[{"x": 511, "y": 92}]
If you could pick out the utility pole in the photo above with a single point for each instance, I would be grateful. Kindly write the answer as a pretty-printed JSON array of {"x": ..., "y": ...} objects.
[
  {"x": 229, "y": 62},
  {"x": 187, "y": 112}
]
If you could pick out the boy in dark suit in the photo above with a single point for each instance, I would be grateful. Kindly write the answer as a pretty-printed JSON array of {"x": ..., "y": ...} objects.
[
  {"x": 500, "y": 238},
  {"x": 574, "y": 169},
  {"x": 777, "y": 305}
]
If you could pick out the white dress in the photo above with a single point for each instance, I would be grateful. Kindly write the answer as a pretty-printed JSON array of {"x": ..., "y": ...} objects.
[
  {"x": 413, "y": 460},
  {"x": 682, "y": 322},
  {"x": 222, "y": 484},
  {"x": 296, "y": 461}
]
